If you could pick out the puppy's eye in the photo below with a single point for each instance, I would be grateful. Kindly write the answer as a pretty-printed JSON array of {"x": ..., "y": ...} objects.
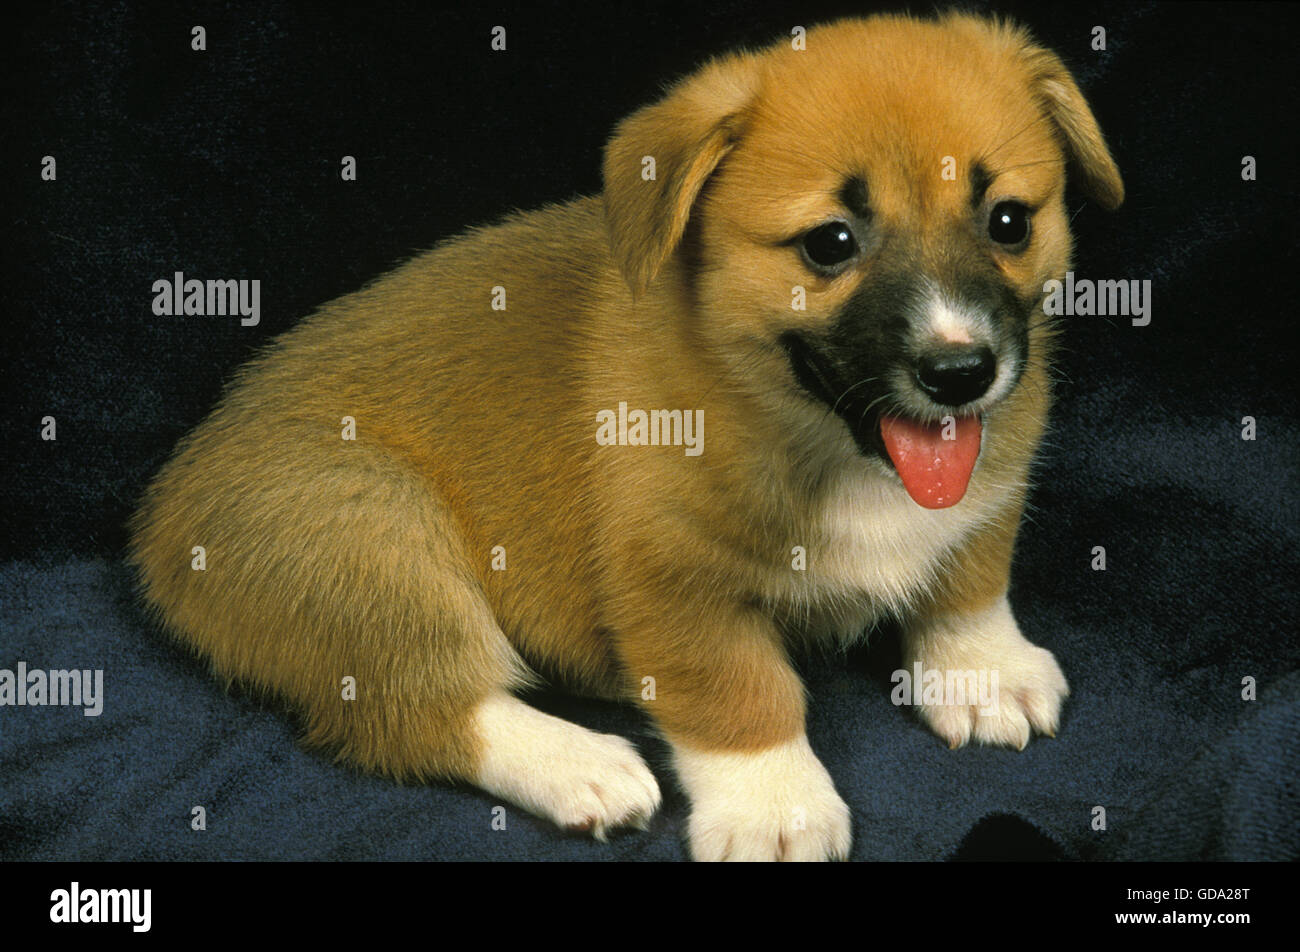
[
  {"x": 1009, "y": 223},
  {"x": 829, "y": 245}
]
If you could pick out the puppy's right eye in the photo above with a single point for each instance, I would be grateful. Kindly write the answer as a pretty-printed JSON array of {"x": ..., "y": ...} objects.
[
  {"x": 830, "y": 245},
  {"x": 1009, "y": 223}
]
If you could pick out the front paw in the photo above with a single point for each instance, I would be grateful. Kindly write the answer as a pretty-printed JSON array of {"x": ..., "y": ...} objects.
[
  {"x": 1020, "y": 686},
  {"x": 776, "y": 804},
  {"x": 583, "y": 781}
]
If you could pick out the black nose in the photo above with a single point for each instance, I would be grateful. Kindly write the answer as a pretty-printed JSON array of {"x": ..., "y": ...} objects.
[{"x": 956, "y": 375}]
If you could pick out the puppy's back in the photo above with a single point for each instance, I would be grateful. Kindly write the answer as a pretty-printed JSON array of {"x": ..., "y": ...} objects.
[{"x": 366, "y": 553}]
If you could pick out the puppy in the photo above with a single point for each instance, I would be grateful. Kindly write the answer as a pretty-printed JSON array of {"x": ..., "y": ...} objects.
[{"x": 786, "y": 376}]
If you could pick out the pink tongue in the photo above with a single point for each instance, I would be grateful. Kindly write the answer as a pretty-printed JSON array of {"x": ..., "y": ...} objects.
[{"x": 935, "y": 471}]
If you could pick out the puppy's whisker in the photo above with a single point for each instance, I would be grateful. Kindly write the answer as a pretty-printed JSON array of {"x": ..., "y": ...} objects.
[
  {"x": 998, "y": 148},
  {"x": 872, "y": 405},
  {"x": 1024, "y": 165},
  {"x": 851, "y": 389}
]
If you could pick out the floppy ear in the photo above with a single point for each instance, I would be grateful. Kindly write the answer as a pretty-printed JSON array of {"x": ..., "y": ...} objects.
[
  {"x": 1085, "y": 147},
  {"x": 686, "y": 134}
]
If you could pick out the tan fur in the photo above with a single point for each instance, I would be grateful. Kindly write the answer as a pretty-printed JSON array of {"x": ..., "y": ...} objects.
[{"x": 476, "y": 428}]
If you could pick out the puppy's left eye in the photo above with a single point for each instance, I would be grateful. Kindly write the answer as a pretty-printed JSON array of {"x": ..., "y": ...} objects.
[
  {"x": 830, "y": 245},
  {"x": 1009, "y": 223}
]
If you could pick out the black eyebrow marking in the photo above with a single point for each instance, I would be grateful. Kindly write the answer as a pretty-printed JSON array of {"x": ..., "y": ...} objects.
[
  {"x": 980, "y": 180},
  {"x": 853, "y": 196}
]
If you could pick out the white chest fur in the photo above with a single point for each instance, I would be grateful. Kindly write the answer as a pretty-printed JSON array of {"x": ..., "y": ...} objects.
[{"x": 874, "y": 549}]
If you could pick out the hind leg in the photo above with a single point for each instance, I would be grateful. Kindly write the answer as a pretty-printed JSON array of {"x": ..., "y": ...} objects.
[{"x": 343, "y": 586}]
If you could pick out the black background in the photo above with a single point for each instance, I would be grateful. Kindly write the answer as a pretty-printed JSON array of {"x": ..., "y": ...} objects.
[{"x": 225, "y": 163}]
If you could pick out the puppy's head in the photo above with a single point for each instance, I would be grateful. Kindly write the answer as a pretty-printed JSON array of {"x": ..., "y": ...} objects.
[{"x": 866, "y": 225}]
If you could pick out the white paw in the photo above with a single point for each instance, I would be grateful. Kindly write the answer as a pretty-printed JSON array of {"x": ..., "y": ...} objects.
[
  {"x": 1021, "y": 685},
  {"x": 581, "y": 780},
  {"x": 776, "y": 804}
]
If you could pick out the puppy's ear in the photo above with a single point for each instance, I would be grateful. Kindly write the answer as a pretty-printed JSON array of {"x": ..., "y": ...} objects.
[
  {"x": 660, "y": 157},
  {"x": 1084, "y": 144}
]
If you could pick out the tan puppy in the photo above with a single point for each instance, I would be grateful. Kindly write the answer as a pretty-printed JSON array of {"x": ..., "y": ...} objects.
[{"x": 828, "y": 265}]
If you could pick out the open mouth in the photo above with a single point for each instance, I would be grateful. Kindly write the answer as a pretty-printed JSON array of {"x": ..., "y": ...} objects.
[{"x": 934, "y": 460}]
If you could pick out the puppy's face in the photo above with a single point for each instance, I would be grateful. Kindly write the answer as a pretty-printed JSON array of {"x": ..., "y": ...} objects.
[{"x": 909, "y": 177}]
